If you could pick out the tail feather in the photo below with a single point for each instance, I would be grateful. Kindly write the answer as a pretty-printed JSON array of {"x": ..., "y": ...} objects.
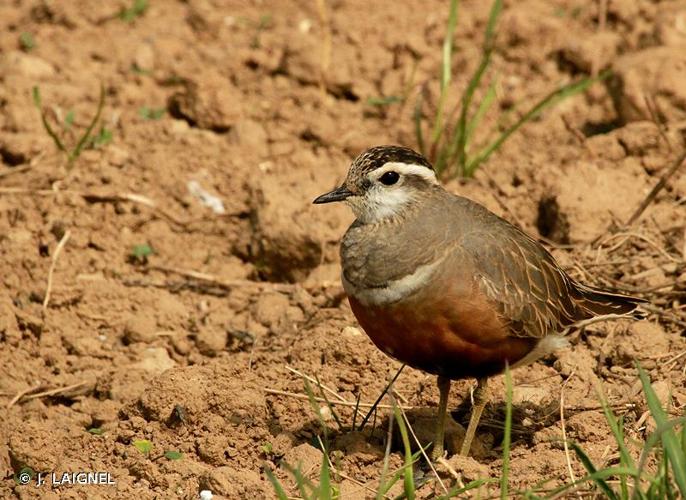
[{"x": 601, "y": 302}]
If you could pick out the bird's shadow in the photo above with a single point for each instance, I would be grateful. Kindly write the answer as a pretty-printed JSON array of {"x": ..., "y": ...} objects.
[{"x": 527, "y": 419}]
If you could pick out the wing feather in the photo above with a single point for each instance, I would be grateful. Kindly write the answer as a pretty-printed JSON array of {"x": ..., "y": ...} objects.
[{"x": 531, "y": 293}]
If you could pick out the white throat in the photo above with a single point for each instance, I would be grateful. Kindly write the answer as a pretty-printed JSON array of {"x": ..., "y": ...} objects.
[{"x": 381, "y": 202}]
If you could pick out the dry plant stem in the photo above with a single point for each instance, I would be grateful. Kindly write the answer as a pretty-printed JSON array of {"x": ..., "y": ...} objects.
[
  {"x": 578, "y": 134},
  {"x": 211, "y": 279},
  {"x": 451, "y": 471},
  {"x": 97, "y": 197},
  {"x": 399, "y": 396},
  {"x": 564, "y": 433},
  {"x": 312, "y": 380},
  {"x": 21, "y": 394},
  {"x": 55, "y": 256},
  {"x": 15, "y": 170},
  {"x": 658, "y": 187},
  {"x": 361, "y": 485},
  {"x": 665, "y": 314},
  {"x": 387, "y": 453},
  {"x": 629, "y": 234},
  {"x": 421, "y": 448},
  {"x": 322, "y": 400},
  {"x": 652, "y": 109},
  {"x": 53, "y": 392},
  {"x": 673, "y": 360},
  {"x": 580, "y": 325}
]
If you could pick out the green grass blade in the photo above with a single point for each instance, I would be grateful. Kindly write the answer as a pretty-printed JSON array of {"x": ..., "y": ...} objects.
[
  {"x": 446, "y": 67},
  {"x": 505, "y": 476},
  {"x": 675, "y": 454},
  {"x": 409, "y": 474},
  {"x": 300, "y": 480},
  {"x": 617, "y": 428},
  {"x": 446, "y": 71},
  {"x": 278, "y": 488},
  {"x": 37, "y": 101},
  {"x": 459, "y": 143},
  {"x": 417, "y": 118},
  {"x": 87, "y": 134},
  {"x": 549, "y": 100},
  {"x": 325, "y": 480},
  {"x": 590, "y": 468},
  {"x": 655, "y": 437},
  {"x": 493, "y": 16},
  {"x": 481, "y": 111},
  {"x": 622, "y": 472},
  {"x": 385, "y": 487},
  {"x": 383, "y": 101}
]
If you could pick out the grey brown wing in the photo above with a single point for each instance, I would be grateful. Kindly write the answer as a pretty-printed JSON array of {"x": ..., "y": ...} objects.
[{"x": 522, "y": 279}]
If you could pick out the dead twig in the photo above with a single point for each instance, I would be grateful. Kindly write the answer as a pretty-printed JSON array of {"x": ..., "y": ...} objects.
[
  {"x": 316, "y": 382},
  {"x": 658, "y": 187},
  {"x": 53, "y": 264},
  {"x": 94, "y": 197},
  {"x": 655, "y": 118},
  {"x": 629, "y": 234},
  {"x": 672, "y": 318},
  {"x": 580, "y": 325},
  {"x": 15, "y": 170},
  {"x": 225, "y": 284},
  {"x": 54, "y": 392},
  {"x": 416, "y": 440},
  {"x": 21, "y": 394},
  {"x": 322, "y": 400},
  {"x": 564, "y": 432},
  {"x": 578, "y": 134},
  {"x": 26, "y": 394}
]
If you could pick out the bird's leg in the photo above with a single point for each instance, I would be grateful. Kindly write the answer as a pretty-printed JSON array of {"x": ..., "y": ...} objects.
[
  {"x": 444, "y": 391},
  {"x": 480, "y": 400}
]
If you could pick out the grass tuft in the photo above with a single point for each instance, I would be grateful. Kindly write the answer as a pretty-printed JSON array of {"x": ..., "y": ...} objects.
[
  {"x": 87, "y": 139},
  {"x": 451, "y": 144},
  {"x": 26, "y": 41},
  {"x": 137, "y": 9},
  {"x": 659, "y": 473},
  {"x": 409, "y": 461},
  {"x": 632, "y": 481}
]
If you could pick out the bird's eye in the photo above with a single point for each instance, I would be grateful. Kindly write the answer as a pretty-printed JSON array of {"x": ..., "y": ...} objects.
[{"x": 389, "y": 178}]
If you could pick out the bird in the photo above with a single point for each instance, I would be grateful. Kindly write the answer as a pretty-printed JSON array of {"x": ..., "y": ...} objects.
[{"x": 442, "y": 284}]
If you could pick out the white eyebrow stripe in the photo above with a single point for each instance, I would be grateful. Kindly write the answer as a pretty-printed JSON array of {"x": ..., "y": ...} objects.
[{"x": 405, "y": 169}]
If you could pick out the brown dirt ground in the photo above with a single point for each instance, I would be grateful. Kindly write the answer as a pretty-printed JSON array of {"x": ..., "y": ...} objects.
[{"x": 257, "y": 117}]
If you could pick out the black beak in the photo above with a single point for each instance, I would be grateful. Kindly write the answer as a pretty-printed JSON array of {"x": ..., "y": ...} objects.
[{"x": 338, "y": 194}]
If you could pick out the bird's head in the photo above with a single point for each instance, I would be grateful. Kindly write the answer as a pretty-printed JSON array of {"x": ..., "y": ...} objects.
[{"x": 384, "y": 181}]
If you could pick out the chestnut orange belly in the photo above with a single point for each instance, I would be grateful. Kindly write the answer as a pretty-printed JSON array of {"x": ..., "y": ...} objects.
[{"x": 455, "y": 337}]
